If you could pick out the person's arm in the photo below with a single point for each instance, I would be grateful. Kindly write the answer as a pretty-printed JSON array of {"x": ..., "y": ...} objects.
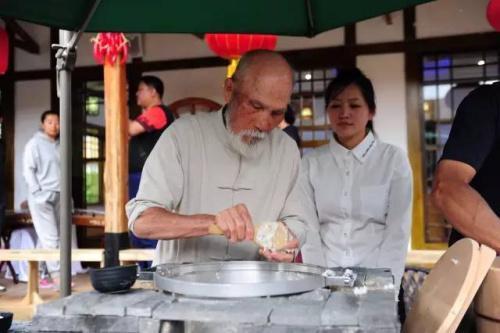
[
  {"x": 30, "y": 167},
  {"x": 152, "y": 119},
  {"x": 160, "y": 223},
  {"x": 398, "y": 221},
  {"x": 135, "y": 128},
  {"x": 462, "y": 206},
  {"x": 151, "y": 213}
]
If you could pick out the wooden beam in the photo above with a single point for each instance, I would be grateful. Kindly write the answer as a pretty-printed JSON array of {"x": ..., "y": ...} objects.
[
  {"x": 304, "y": 59},
  {"x": 25, "y": 41}
]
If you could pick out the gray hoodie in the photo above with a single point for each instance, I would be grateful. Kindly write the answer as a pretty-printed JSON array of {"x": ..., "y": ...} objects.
[{"x": 41, "y": 163}]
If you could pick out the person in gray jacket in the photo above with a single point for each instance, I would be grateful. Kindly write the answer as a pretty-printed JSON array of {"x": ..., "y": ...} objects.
[{"x": 41, "y": 170}]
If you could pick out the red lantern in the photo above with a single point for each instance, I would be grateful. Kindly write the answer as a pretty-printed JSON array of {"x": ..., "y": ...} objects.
[
  {"x": 110, "y": 46},
  {"x": 4, "y": 51},
  {"x": 233, "y": 46},
  {"x": 493, "y": 14}
]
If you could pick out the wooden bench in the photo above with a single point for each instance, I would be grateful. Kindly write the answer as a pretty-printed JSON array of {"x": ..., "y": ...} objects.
[
  {"x": 423, "y": 258},
  {"x": 134, "y": 255},
  {"x": 34, "y": 256}
]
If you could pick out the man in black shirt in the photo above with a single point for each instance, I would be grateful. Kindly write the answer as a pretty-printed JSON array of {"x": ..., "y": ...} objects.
[
  {"x": 144, "y": 131},
  {"x": 467, "y": 179}
]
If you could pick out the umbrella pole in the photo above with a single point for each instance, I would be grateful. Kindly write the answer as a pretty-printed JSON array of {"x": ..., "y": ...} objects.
[{"x": 66, "y": 58}]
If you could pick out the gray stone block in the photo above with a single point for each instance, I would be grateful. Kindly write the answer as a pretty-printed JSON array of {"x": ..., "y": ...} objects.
[
  {"x": 80, "y": 324},
  {"x": 148, "y": 325},
  {"x": 145, "y": 307},
  {"x": 211, "y": 327},
  {"x": 277, "y": 329},
  {"x": 206, "y": 327},
  {"x": 21, "y": 326},
  {"x": 298, "y": 314},
  {"x": 339, "y": 329},
  {"x": 378, "y": 310},
  {"x": 84, "y": 303},
  {"x": 53, "y": 308},
  {"x": 232, "y": 312},
  {"x": 341, "y": 309},
  {"x": 117, "y": 304},
  {"x": 115, "y": 324}
]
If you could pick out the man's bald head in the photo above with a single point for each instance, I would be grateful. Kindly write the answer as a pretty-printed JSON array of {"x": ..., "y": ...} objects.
[
  {"x": 264, "y": 73},
  {"x": 254, "y": 64}
]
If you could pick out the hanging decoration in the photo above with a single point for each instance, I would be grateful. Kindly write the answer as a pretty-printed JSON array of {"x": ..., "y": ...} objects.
[
  {"x": 4, "y": 51},
  {"x": 493, "y": 14},
  {"x": 110, "y": 47},
  {"x": 233, "y": 46}
]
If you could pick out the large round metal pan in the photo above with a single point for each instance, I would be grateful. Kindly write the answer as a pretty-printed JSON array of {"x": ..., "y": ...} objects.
[{"x": 227, "y": 279}]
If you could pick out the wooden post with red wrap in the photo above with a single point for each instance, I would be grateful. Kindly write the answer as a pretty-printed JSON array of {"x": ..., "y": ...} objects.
[{"x": 110, "y": 49}]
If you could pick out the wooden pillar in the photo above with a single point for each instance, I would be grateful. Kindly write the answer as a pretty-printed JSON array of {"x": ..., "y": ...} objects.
[{"x": 116, "y": 165}]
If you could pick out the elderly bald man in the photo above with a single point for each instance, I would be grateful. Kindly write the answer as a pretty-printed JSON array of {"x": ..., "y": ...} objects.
[{"x": 231, "y": 168}]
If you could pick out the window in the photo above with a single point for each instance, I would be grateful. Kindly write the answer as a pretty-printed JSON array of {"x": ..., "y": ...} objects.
[
  {"x": 93, "y": 163},
  {"x": 446, "y": 80},
  {"x": 308, "y": 101},
  {"x": 91, "y": 144},
  {"x": 92, "y": 106}
]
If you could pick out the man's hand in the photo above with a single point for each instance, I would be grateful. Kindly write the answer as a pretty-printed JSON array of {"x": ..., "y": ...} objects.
[
  {"x": 287, "y": 253},
  {"x": 236, "y": 223}
]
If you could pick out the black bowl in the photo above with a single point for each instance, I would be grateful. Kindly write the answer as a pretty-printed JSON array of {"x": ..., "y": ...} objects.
[
  {"x": 5, "y": 321},
  {"x": 113, "y": 279}
]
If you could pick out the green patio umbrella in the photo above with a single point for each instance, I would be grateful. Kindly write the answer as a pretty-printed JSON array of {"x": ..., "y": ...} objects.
[{"x": 279, "y": 17}]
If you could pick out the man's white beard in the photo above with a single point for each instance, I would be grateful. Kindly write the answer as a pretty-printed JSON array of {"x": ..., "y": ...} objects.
[{"x": 249, "y": 150}]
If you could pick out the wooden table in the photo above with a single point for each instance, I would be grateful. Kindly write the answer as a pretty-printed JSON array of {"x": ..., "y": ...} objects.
[{"x": 81, "y": 217}]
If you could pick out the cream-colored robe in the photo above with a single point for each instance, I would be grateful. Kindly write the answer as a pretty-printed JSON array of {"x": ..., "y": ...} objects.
[{"x": 193, "y": 170}]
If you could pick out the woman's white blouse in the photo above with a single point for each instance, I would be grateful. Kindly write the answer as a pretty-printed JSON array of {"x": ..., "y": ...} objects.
[{"x": 359, "y": 205}]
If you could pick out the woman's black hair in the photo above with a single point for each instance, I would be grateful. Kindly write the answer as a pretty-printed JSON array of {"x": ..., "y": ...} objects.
[{"x": 345, "y": 78}]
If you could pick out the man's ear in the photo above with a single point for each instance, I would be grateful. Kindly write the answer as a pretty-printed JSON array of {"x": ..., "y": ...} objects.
[{"x": 228, "y": 89}]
